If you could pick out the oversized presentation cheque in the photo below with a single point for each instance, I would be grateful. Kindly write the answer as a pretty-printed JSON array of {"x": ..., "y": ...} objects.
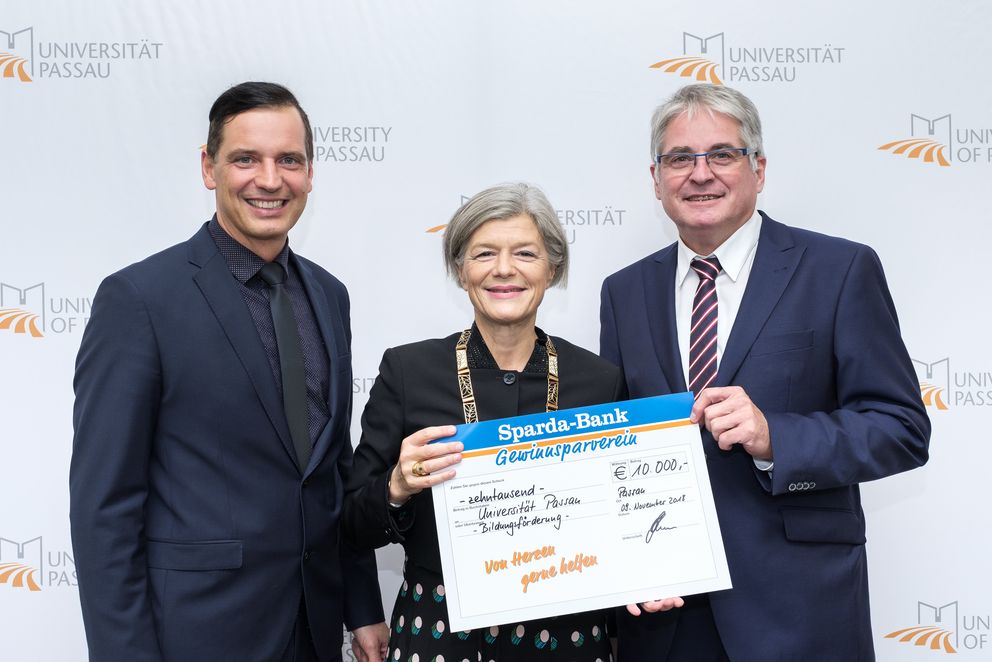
[{"x": 577, "y": 509}]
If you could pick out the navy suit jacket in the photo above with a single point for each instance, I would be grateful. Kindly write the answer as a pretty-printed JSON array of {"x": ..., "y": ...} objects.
[
  {"x": 816, "y": 346},
  {"x": 195, "y": 532}
]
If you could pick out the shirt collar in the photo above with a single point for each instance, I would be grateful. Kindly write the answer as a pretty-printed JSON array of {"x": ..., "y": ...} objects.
[
  {"x": 733, "y": 253},
  {"x": 242, "y": 262},
  {"x": 479, "y": 355}
]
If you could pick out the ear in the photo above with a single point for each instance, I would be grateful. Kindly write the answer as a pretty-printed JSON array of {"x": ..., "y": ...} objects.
[
  {"x": 656, "y": 181},
  {"x": 309, "y": 176},
  {"x": 207, "y": 170},
  {"x": 760, "y": 172}
]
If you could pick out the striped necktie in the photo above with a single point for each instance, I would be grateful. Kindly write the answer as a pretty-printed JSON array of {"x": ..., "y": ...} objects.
[{"x": 702, "y": 334}]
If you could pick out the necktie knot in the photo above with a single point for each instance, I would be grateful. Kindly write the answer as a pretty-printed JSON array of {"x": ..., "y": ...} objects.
[
  {"x": 273, "y": 274},
  {"x": 706, "y": 267}
]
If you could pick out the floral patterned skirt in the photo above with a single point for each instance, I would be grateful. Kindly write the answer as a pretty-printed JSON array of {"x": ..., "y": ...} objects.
[{"x": 420, "y": 633}]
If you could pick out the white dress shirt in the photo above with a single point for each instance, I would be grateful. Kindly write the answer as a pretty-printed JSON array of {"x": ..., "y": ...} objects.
[{"x": 736, "y": 256}]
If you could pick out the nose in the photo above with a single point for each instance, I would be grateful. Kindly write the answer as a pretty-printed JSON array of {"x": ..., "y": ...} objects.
[
  {"x": 504, "y": 264},
  {"x": 267, "y": 177},
  {"x": 701, "y": 171}
]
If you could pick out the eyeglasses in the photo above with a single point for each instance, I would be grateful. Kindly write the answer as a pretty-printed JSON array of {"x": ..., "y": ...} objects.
[{"x": 718, "y": 159}]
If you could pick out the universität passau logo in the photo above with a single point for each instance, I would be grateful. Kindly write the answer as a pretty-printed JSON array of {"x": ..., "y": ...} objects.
[
  {"x": 26, "y": 58},
  {"x": 27, "y": 312},
  {"x": 16, "y": 49},
  {"x": 20, "y": 563},
  {"x": 935, "y": 141},
  {"x": 719, "y": 59},
  {"x": 573, "y": 220},
  {"x": 22, "y": 309},
  {"x": 25, "y": 565},
  {"x": 944, "y": 629},
  {"x": 943, "y": 388}
]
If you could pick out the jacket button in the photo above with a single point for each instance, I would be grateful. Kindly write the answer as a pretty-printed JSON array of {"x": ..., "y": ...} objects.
[
  {"x": 509, "y": 378},
  {"x": 306, "y": 555},
  {"x": 306, "y": 483}
]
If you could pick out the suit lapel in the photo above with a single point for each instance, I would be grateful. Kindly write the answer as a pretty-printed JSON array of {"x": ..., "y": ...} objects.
[
  {"x": 774, "y": 265},
  {"x": 332, "y": 331},
  {"x": 659, "y": 291},
  {"x": 218, "y": 287}
]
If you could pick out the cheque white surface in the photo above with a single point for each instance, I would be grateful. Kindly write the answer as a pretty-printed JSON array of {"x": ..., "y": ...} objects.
[{"x": 578, "y": 509}]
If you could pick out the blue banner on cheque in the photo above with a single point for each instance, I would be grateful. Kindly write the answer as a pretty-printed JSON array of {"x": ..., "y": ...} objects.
[
  {"x": 535, "y": 428},
  {"x": 578, "y": 509}
]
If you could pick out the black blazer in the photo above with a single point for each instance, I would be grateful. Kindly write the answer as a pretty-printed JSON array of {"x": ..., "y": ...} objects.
[
  {"x": 195, "y": 533},
  {"x": 417, "y": 387}
]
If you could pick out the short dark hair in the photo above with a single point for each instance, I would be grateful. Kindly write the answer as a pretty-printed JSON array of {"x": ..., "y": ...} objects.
[{"x": 249, "y": 96}]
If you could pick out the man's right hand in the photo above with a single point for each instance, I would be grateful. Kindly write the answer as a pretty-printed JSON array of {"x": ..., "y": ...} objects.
[{"x": 653, "y": 606}]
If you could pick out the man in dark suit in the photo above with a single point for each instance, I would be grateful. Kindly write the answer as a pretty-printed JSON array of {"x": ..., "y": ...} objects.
[
  {"x": 212, "y": 415},
  {"x": 804, "y": 389}
]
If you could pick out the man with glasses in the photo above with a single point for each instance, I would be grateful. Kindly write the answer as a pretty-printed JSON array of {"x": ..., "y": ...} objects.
[{"x": 804, "y": 389}]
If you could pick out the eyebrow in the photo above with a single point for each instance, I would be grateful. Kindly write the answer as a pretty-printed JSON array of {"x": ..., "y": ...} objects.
[
  {"x": 239, "y": 152},
  {"x": 685, "y": 149},
  {"x": 525, "y": 244}
]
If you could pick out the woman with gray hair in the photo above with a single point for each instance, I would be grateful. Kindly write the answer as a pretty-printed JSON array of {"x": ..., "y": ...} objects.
[{"x": 504, "y": 247}]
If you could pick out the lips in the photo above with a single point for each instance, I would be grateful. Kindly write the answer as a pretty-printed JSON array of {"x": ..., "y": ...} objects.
[
  {"x": 266, "y": 204},
  {"x": 504, "y": 291}
]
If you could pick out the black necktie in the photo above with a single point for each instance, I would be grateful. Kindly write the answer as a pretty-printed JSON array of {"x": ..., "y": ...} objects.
[
  {"x": 702, "y": 333},
  {"x": 294, "y": 378}
]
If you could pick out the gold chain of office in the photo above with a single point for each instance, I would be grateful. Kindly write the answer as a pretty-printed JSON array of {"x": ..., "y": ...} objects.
[{"x": 465, "y": 378}]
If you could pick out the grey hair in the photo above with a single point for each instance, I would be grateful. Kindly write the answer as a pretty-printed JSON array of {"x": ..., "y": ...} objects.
[
  {"x": 692, "y": 99},
  {"x": 499, "y": 203}
]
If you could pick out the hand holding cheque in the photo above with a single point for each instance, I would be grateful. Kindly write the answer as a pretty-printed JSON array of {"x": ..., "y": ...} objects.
[
  {"x": 423, "y": 464},
  {"x": 730, "y": 416},
  {"x": 577, "y": 510}
]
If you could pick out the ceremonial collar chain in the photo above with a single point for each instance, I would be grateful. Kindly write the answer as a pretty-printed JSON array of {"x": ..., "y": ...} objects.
[{"x": 465, "y": 378}]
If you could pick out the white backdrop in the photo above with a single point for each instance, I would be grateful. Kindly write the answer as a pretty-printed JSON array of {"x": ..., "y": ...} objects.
[{"x": 418, "y": 104}]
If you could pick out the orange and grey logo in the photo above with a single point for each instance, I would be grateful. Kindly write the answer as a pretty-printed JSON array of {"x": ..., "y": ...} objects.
[
  {"x": 931, "y": 630},
  {"x": 713, "y": 59},
  {"x": 16, "y": 51},
  {"x": 25, "y": 59},
  {"x": 935, "y": 382},
  {"x": 22, "y": 310},
  {"x": 697, "y": 61},
  {"x": 942, "y": 388},
  {"x": 942, "y": 629},
  {"x": 20, "y": 564},
  {"x": 929, "y": 140},
  {"x": 936, "y": 142},
  {"x": 26, "y": 312}
]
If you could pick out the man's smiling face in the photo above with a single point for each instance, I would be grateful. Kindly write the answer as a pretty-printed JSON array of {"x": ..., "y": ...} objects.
[
  {"x": 707, "y": 206},
  {"x": 261, "y": 177}
]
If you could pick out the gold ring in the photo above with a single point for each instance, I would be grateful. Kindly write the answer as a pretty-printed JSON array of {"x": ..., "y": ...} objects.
[{"x": 418, "y": 469}]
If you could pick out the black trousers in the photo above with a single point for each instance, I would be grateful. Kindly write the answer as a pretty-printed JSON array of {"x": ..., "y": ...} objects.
[
  {"x": 688, "y": 634},
  {"x": 300, "y": 647}
]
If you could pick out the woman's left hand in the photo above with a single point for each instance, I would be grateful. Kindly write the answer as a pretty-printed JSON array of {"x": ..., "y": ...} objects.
[{"x": 422, "y": 464}]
